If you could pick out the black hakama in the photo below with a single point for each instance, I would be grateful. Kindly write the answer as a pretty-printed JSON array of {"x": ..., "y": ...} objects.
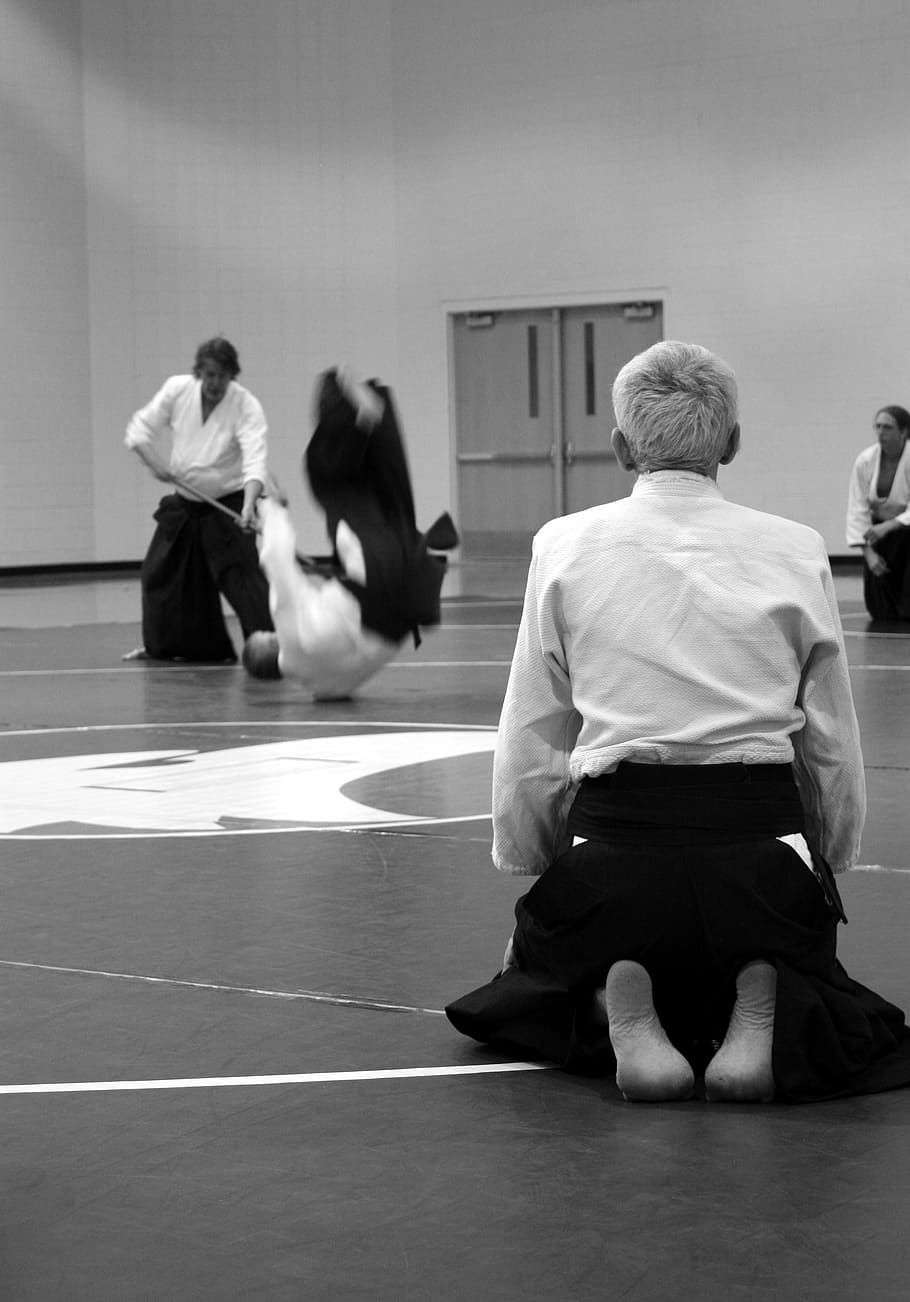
[
  {"x": 683, "y": 873},
  {"x": 361, "y": 476},
  {"x": 197, "y": 553},
  {"x": 887, "y": 596}
]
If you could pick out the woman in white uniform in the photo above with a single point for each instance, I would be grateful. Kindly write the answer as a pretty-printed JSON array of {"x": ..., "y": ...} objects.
[{"x": 878, "y": 515}]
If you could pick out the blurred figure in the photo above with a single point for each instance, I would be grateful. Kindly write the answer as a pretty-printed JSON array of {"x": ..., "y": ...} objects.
[
  {"x": 337, "y": 625},
  {"x": 878, "y": 515},
  {"x": 319, "y": 639}
]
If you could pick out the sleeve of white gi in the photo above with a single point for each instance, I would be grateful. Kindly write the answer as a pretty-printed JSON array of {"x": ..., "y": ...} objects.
[
  {"x": 251, "y": 435},
  {"x": 312, "y": 616},
  {"x": 538, "y": 728},
  {"x": 828, "y": 760},
  {"x": 289, "y": 587},
  {"x": 859, "y": 513},
  {"x": 150, "y": 422}
]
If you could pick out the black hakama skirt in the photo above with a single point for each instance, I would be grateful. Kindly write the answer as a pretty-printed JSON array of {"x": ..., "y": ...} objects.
[
  {"x": 887, "y": 596},
  {"x": 682, "y": 871},
  {"x": 362, "y": 477},
  {"x": 196, "y": 554}
]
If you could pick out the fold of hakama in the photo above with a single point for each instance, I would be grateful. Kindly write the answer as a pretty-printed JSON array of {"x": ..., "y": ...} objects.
[{"x": 693, "y": 908}]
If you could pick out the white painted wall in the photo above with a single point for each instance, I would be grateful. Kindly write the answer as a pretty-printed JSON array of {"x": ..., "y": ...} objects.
[
  {"x": 45, "y": 441},
  {"x": 241, "y": 180},
  {"x": 750, "y": 158},
  {"x": 319, "y": 179}
]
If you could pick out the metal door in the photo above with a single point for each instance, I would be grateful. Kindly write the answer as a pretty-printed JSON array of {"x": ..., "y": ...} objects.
[
  {"x": 533, "y": 416},
  {"x": 597, "y": 343},
  {"x": 504, "y": 416}
]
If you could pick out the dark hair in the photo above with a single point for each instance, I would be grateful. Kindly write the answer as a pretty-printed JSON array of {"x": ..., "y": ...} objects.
[
  {"x": 900, "y": 415},
  {"x": 220, "y": 351},
  {"x": 260, "y": 655}
]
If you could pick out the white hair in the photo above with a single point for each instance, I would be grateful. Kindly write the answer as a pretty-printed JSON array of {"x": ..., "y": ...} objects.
[{"x": 676, "y": 405}]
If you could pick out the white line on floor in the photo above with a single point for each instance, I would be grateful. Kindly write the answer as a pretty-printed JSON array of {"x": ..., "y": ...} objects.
[
  {"x": 311, "y": 996},
  {"x": 447, "y": 664},
  {"x": 302, "y": 1078},
  {"x": 187, "y": 668},
  {"x": 363, "y": 725},
  {"x": 888, "y": 669},
  {"x": 392, "y": 665}
]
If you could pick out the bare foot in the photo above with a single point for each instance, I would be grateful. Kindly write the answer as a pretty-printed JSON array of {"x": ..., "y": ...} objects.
[
  {"x": 740, "y": 1071},
  {"x": 648, "y": 1068}
]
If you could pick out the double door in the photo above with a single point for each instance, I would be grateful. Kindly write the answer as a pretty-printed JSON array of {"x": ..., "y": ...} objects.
[{"x": 533, "y": 415}]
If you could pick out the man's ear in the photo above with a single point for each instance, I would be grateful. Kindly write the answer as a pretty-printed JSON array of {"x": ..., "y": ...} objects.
[
  {"x": 621, "y": 449},
  {"x": 733, "y": 442}
]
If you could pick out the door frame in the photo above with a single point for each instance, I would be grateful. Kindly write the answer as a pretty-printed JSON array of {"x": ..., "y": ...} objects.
[{"x": 529, "y": 302}]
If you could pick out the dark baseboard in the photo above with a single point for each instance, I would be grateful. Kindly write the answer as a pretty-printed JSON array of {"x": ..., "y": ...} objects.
[
  {"x": 78, "y": 572},
  {"x": 85, "y": 571}
]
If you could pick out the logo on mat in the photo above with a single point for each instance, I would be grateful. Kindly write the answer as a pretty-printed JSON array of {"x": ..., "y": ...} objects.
[{"x": 356, "y": 780}]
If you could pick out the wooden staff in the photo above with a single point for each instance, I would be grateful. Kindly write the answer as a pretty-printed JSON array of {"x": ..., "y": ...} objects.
[{"x": 324, "y": 565}]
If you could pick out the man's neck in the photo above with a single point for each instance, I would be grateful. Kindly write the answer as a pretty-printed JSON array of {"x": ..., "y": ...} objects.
[{"x": 706, "y": 473}]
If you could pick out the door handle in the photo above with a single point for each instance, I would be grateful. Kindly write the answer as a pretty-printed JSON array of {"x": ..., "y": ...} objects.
[
  {"x": 568, "y": 455},
  {"x": 503, "y": 458}
]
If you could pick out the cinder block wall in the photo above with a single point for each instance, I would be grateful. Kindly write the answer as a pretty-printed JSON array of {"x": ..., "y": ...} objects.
[{"x": 320, "y": 179}]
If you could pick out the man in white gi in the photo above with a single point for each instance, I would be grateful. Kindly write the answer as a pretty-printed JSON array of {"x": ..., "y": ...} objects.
[
  {"x": 202, "y": 431},
  {"x": 679, "y": 765}
]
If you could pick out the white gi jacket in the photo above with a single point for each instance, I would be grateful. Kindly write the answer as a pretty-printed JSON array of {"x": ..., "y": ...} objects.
[
  {"x": 861, "y": 495},
  {"x": 219, "y": 456},
  {"x": 322, "y": 642},
  {"x": 674, "y": 627}
]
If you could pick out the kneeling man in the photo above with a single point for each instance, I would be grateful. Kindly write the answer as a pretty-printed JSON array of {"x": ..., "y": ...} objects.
[{"x": 678, "y": 764}]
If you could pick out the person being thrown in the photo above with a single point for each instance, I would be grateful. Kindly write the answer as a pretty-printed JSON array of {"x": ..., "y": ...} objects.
[
  {"x": 336, "y": 625},
  {"x": 678, "y": 764}
]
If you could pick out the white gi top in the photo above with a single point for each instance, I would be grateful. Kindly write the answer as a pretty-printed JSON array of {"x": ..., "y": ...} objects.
[
  {"x": 321, "y": 640},
  {"x": 674, "y": 627},
  {"x": 219, "y": 456},
  {"x": 861, "y": 496}
]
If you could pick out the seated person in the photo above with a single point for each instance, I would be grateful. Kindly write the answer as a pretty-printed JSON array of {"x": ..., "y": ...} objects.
[
  {"x": 678, "y": 764},
  {"x": 336, "y": 628},
  {"x": 878, "y": 515}
]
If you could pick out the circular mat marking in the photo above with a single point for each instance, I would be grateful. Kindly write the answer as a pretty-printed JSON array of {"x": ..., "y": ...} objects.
[{"x": 196, "y": 779}]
